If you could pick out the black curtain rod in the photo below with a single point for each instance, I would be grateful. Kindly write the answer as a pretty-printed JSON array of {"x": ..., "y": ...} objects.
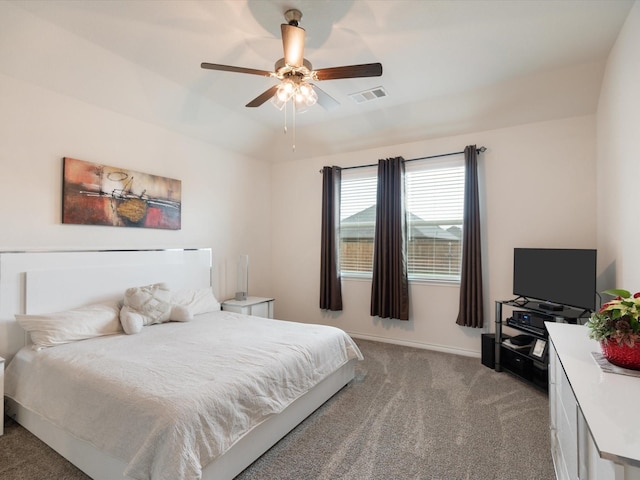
[{"x": 478, "y": 150}]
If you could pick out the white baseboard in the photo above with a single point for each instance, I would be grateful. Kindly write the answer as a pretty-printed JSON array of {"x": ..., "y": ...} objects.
[{"x": 425, "y": 346}]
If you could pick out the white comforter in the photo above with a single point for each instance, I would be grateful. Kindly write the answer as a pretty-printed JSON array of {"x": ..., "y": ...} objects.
[{"x": 171, "y": 399}]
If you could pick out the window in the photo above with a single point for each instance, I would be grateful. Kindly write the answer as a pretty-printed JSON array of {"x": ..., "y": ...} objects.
[
  {"x": 434, "y": 202},
  {"x": 357, "y": 220}
]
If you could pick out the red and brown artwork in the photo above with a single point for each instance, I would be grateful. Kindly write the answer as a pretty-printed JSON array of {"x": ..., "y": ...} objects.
[{"x": 95, "y": 194}]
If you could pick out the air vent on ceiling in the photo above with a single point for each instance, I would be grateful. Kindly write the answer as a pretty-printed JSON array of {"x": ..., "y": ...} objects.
[{"x": 368, "y": 95}]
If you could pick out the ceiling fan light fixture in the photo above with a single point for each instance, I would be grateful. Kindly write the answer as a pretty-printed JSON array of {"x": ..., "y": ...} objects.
[
  {"x": 276, "y": 102},
  {"x": 311, "y": 98},
  {"x": 299, "y": 91},
  {"x": 305, "y": 89},
  {"x": 286, "y": 90}
]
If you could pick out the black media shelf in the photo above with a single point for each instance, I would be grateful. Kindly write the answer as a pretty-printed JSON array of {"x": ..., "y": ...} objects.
[{"x": 526, "y": 364}]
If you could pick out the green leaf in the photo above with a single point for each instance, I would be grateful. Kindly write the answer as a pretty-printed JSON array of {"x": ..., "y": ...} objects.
[{"x": 615, "y": 292}]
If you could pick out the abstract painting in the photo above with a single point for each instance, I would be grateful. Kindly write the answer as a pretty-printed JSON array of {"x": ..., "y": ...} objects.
[{"x": 95, "y": 194}]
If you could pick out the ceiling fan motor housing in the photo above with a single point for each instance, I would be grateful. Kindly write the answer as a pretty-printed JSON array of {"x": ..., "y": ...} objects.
[{"x": 282, "y": 70}]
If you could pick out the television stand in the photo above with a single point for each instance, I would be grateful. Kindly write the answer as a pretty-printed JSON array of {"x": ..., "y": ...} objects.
[{"x": 527, "y": 364}]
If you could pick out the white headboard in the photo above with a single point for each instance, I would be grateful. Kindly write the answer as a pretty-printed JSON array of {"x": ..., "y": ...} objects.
[{"x": 40, "y": 282}]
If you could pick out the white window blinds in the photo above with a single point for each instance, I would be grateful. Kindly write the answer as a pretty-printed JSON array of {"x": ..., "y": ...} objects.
[
  {"x": 357, "y": 220},
  {"x": 434, "y": 203}
]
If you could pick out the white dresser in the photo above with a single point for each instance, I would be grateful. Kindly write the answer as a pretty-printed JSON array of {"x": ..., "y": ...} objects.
[
  {"x": 595, "y": 427},
  {"x": 256, "y": 306}
]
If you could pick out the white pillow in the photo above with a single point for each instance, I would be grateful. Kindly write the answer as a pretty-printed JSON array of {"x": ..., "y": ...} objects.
[
  {"x": 198, "y": 301},
  {"x": 50, "y": 329}
]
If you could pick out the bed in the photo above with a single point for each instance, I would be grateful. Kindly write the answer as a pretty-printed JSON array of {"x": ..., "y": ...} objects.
[{"x": 196, "y": 399}]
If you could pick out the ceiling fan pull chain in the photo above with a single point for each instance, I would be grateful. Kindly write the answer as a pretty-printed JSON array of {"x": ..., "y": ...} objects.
[
  {"x": 285, "y": 118},
  {"x": 293, "y": 110}
]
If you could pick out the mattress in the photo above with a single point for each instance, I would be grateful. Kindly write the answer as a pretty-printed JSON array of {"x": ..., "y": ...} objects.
[{"x": 174, "y": 397}]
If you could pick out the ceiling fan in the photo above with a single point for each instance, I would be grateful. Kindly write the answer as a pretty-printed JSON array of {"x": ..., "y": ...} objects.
[{"x": 295, "y": 72}]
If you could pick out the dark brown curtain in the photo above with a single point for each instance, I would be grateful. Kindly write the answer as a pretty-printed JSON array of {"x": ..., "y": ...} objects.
[
  {"x": 471, "y": 304},
  {"x": 330, "y": 288},
  {"x": 390, "y": 285}
]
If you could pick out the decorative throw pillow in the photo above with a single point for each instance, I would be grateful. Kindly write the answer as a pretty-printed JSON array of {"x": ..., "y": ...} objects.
[
  {"x": 148, "y": 305},
  {"x": 198, "y": 301},
  {"x": 50, "y": 329}
]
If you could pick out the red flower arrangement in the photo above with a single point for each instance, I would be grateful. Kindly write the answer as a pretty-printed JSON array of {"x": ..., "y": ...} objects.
[
  {"x": 618, "y": 320},
  {"x": 617, "y": 327}
]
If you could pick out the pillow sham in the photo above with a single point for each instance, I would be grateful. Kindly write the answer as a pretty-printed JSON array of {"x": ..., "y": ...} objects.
[
  {"x": 148, "y": 305},
  {"x": 51, "y": 329},
  {"x": 198, "y": 301}
]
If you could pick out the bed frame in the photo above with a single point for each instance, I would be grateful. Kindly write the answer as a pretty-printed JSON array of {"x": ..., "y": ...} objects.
[{"x": 39, "y": 282}]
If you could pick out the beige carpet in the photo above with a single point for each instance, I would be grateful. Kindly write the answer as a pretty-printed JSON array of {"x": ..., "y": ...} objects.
[{"x": 409, "y": 414}]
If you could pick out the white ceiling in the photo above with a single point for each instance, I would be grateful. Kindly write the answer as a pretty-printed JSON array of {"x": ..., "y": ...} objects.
[{"x": 450, "y": 66}]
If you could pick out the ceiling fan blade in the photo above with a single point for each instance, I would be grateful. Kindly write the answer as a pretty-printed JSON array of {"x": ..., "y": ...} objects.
[
  {"x": 325, "y": 100},
  {"x": 350, "y": 71},
  {"x": 293, "y": 44},
  {"x": 263, "y": 97},
  {"x": 229, "y": 68}
]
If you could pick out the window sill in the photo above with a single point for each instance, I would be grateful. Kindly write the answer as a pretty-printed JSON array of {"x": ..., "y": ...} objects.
[
  {"x": 355, "y": 276},
  {"x": 434, "y": 281}
]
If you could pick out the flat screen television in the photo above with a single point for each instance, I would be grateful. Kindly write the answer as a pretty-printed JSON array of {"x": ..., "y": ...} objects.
[{"x": 556, "y": 277}]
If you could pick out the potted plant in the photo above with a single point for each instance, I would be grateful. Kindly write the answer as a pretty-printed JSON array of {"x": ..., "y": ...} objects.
[{"x": 617, "y": 327}]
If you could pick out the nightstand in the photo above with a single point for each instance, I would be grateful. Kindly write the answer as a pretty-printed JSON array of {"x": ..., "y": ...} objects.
[
  {"x": 2, "y": 395},
  {"x": 256, "y": 306}
]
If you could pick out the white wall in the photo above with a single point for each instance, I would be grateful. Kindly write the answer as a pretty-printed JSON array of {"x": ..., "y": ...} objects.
[
  {"x": 538, "y": 189},
  {"x": 618, "y": 161},
  {"x": 225, "y": 197}
]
